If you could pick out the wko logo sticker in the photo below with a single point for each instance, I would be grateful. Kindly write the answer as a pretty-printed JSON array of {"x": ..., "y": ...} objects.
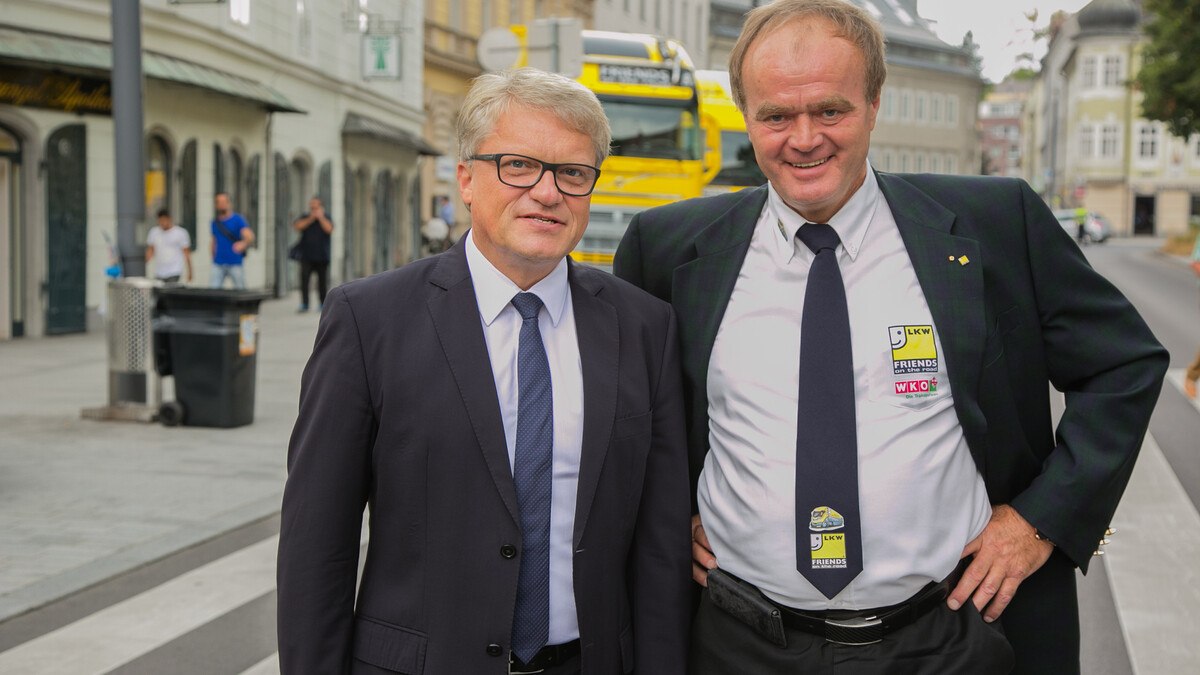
[{"x": 913, "y": 349}]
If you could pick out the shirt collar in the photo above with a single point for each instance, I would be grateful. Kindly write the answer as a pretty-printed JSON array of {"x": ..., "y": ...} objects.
[
  {"x": 850, "y": 222},
  {"x": 494, "y": 291}
]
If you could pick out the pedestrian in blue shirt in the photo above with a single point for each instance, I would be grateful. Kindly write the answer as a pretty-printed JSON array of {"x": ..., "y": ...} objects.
[{"x": 231, "y": 236}]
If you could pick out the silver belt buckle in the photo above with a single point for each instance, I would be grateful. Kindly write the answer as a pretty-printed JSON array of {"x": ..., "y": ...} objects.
[
  {"x": 520, "y": 672},
  {"x": 842, "y": 631}
]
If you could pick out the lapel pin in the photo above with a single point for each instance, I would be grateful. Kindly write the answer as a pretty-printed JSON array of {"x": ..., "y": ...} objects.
[
  {"x": 951, "y": 258},
  {"x": 963, "y": 260}
]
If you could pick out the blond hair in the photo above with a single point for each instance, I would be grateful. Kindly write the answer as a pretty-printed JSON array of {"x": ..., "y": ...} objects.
[
  {"x": 848, "y": 21},
  {"x": 492, "y": 94}
]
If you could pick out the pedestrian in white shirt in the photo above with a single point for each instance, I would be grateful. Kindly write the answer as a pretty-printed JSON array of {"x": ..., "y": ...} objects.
[{"x": 171, "y": 248}]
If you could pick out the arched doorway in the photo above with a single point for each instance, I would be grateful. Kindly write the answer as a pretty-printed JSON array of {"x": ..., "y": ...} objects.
[
  {"x": 66, "y": 240},
  {"x": 12, "y": 237}
]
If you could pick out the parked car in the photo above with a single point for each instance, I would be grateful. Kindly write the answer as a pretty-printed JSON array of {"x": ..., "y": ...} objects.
[{"x": 1096, "y": 228}]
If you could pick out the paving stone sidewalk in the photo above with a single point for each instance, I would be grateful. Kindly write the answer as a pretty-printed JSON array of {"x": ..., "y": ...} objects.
[{"x": 84, "y": 500}]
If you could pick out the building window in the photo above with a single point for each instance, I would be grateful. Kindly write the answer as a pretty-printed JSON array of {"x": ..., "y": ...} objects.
[
  {"x": 922, "y": 106},
  {"x": 1148, "y": 142},
  {"x": 303, "y": 28},
  {"x": 157, "y": 178},
  {"x": 886, "y": 160},
  {"x": 1087, "y": 140},
  {"x": 920, "y": 162},
  {"x": 935, "y": 163},
  {"x": 642, "y": 9},
  {"x": 1109, "y": 137},
  {"x": 951, "y": 164},
  {"x": 239, "y": 11},
  {"x": 905, "y": 102},
  {"x": 903, "y": 162},
  {"x": 236, "y": 180},
  {"x": 1088, "y": 72},
  {"x": 1112, "y": 71},
  {"x": 952, "y": 110},
  {"x": 889, "y": 103},
  {"x": 935, "y": 108}
]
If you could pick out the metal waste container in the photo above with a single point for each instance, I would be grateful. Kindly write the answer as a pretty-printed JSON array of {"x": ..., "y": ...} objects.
[
  {"x": 208, "y": 340},
  {"x": 134, "y": 391}
]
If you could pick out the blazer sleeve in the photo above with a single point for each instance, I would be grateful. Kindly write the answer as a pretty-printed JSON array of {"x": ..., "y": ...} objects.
[
  {"x": 660, "y": 557},
  {"x": 1103, "y": 357},
  {"x": 323, "y": 500}
]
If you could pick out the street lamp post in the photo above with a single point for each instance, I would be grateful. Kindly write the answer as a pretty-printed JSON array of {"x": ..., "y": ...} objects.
[{"x": 127, "y": 131}]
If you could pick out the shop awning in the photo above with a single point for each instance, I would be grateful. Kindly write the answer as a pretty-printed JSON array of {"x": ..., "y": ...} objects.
[
  {"x": 40, "y": 50},
  {"x": 361, "y": 125}
]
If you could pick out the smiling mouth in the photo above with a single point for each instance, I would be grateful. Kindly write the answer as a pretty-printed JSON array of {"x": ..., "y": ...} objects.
[
  {"x": 541, "y": 219},
  {"x": 809, "y": 165}
]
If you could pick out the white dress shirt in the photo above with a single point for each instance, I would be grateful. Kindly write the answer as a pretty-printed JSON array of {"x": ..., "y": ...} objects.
[
  {"x": 921, "y": 497},
  {"x": 501, "y": 330}
]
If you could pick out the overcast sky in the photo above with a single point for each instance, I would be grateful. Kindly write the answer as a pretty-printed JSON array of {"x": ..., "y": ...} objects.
[{"x": 1000, "y": 27}]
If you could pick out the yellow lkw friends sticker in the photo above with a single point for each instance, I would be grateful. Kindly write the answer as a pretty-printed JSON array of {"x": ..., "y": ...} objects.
[
  {"x": 913, "y": 349},
  {"x": 828, "y": 545}
]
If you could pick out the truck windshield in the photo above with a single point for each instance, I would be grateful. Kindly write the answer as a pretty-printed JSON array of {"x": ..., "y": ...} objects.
[
  {"x": 656, "y": 128},
  {"x": 738, "y": 166}
]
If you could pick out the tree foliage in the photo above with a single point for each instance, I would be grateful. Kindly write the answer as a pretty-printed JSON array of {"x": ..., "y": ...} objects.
[{"x": 1169, "y": 79}]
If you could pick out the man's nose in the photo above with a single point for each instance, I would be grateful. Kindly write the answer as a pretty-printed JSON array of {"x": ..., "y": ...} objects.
[
  {"x": 805, "y": 135},
  {"x": 545, "y": 190}
]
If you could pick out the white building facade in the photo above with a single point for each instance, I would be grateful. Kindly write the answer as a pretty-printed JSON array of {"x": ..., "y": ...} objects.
[{"x": 272, "y": 101}]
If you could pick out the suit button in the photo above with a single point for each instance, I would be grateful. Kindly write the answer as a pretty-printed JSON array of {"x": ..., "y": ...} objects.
[
  {"x": 494, "y": 649},
  {"x": 508, "y": 551}
]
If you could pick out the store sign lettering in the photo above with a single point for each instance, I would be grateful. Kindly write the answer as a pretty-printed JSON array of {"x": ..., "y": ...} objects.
[{"x": 39, "y": 89}]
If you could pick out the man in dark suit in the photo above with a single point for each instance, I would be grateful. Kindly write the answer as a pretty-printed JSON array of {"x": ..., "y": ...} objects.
[
  {"x": 514, "y": 423},
  {"x": 961, "y": 301}
]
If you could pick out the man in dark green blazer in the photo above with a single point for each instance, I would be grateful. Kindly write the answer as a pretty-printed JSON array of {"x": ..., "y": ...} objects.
[{"x": 1015, "y": 309}]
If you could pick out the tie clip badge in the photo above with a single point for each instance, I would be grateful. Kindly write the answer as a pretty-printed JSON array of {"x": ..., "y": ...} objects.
[
  {"x": 962, "y": 259},
  {"x": 828, "y": 546}
]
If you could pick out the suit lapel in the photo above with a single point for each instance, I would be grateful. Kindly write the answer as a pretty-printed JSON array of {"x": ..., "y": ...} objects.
[
  {"x": 599, "y": 348},
  {"x": 950, "y": 271},
  {"x": 455, "y": 314},
  {"x": 701, "y": 287}
]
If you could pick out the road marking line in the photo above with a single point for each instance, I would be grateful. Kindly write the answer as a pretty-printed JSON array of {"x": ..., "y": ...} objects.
[
  {"x": 1152, "y": 568},
  {"x": 268, "y": 666},
  {"x": 120, "y": 633}
]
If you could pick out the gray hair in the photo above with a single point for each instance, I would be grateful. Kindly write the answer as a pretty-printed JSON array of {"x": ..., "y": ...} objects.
[
  {"x": 849, "y": 22},
  {"x": 492, "y": 94}
]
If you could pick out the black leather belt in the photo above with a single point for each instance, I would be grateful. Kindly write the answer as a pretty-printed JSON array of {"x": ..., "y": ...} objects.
[
  {"x": 550, "y": 655},
  {"x": 864, "y": 627}
]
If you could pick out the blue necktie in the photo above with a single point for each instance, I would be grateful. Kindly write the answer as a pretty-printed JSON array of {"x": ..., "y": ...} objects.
[
  {"x": 828, "y": 526},
  {"x": 533, "y": 478}
]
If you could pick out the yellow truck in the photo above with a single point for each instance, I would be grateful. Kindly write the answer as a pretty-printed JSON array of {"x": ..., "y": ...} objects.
[
  {"x": 663, "y": 148},
  {"x": 738, "y": 166}
]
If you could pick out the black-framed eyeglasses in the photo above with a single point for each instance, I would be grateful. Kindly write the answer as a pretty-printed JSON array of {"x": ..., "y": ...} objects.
[{"x": 519, "y": 171}]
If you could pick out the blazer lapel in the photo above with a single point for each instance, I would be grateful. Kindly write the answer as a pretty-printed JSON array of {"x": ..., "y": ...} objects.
[
  {"x": 950, "y": 271},
  {"x": 455, "y": 314},
  {"x": 599, "y": 348},
  {"x": 700, "y": 288}
]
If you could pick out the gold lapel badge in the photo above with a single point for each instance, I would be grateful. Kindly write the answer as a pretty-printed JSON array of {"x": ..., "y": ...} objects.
[{"x": 963, "y": 260}]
